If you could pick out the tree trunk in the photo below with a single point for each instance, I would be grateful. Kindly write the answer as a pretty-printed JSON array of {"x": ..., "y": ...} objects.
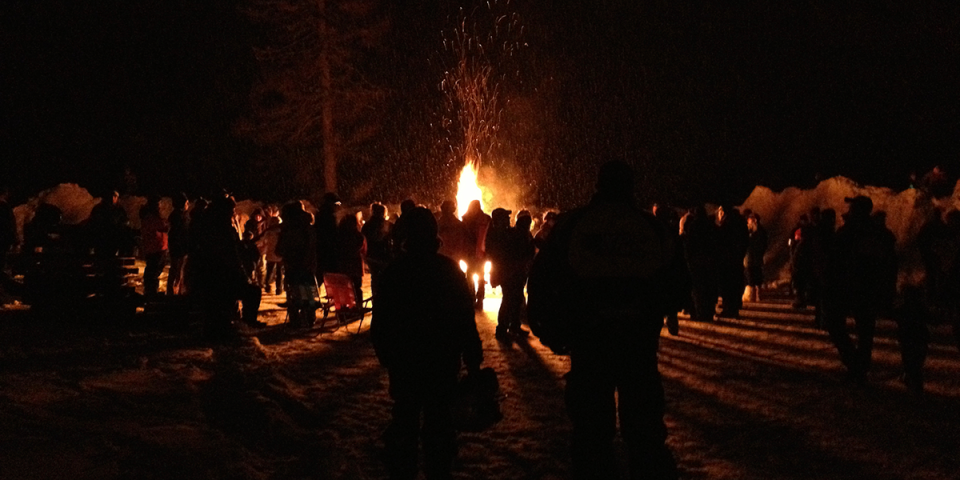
[{"x": 326, "y": 84}]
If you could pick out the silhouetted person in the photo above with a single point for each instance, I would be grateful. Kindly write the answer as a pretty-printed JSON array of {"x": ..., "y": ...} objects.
[
  {"x": 178, "y": 241},
  {"x": 452, "y": 234},
  {"x": 733, "y": 239},
  {"x": 698, "y": 237},
  {"x": 671, "y": 223},
  {"x": 254, "y": 227},
  {"x": 376, "y": 231},
  {"x": 549, "y": 221},
  {"x": 399, "y": 229},
  {"x": 108, "y": 227},
  {"x": 497, "y": 245},
  {"x": 756, "y": 249},
  {"x": 220, "y": 280},
  {"x": 43, "y": 233},
  {"x": 513, "y": 275},
  {"x": 325, "y": 225},
  {"x": 622, "y": 268},
  {"x": 274, "y": 273},
  {"x": 423, "y": 326},
  {"x": 351, "y": 248},
  {"x": 939, "y": 245},
  {"x": 475, "y": 224},
  {"x": 801, "y": 260},
  {"x": 154, "y": 245},
  {"x": 191, "y": 274},
  {"x": 864, "y": 271},
  {"x": 297, "y": 246}
]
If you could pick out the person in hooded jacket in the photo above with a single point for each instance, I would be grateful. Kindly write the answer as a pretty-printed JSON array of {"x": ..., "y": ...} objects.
[
  {"x": 296, "y": 246},
  {"x": 599, "y": 289},
  {"x": 423, "y": 329}
]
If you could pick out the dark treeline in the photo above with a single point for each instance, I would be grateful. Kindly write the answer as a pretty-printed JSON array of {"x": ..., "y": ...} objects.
[{"x": 706, "y": 100}]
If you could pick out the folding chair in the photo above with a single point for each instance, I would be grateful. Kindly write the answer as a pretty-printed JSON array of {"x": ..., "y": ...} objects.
[{"x": 340, "y": 294}]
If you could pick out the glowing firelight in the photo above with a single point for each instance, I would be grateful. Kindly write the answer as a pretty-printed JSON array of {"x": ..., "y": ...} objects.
[
  {"x": 463, "y": 266},
  {"x": 486, "y": 272},
  {"x": 467, "y": 188},
  {"x": 476, "y": 282}
]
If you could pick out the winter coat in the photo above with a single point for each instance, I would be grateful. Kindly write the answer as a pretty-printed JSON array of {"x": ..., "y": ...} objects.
[
  {"x": 476, "y": 226},
  {"x": 423, "y": 319},
  {"x": 757, "y": 247},
  {"x": 325, "y": 229},
  {"x": 153, "y": 234},
  {"x": 268, "y": 243},
  {"x": 297, "y": 246},
  {"x": 454, "y": 237},
  {"x": 351, "y": 248},
  {"x": 607, "y": 275},
  {"x": 379, "y": 245},
  {"x": 865, "y": 259}
]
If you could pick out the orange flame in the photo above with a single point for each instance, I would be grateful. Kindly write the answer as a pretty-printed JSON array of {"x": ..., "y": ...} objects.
[{"x": 467, "y": 188}]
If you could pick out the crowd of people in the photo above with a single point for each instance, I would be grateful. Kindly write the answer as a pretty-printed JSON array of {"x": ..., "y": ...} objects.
[{"x": 631, "y": 271}]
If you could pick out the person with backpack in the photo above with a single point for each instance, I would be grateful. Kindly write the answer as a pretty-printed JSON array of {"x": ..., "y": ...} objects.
[{"x": 625, "y": 272}]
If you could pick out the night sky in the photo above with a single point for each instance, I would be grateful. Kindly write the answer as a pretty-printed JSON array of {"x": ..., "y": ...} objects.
[{"x": 706, "y": 99}]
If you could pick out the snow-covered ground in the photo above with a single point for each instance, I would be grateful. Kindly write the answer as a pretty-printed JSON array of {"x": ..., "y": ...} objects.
[{"x": 756, "y": 398}]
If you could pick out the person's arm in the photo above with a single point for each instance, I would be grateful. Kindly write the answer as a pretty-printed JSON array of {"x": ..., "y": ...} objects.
[{"x": 470, "y": 342}]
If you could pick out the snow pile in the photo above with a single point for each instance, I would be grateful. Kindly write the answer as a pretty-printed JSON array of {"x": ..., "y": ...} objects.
[
  {"x": 73, "y": 200},
  {"x": 906, "y": 212}
]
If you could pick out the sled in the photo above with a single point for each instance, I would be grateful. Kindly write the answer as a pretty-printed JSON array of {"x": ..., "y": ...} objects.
[{"x": 340, "y": 300}]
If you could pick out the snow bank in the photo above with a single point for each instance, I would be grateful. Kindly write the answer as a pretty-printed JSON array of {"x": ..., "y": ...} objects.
[{"x": 906, "y": 213}]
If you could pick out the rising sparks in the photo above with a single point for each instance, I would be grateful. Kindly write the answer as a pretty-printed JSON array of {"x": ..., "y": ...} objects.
[{"x": 472, "y": 89}]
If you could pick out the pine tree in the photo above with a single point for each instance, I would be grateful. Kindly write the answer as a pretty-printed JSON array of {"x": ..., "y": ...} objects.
[{"x": 313, "y": 93}]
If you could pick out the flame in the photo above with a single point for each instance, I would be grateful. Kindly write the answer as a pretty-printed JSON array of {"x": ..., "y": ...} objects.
[
  {"x": 467, "y": 188},
  {"x": 463, "y": 266}
]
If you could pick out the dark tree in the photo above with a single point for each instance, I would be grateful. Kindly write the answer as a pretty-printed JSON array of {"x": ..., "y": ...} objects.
[{"x": 314, "y": 93}]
